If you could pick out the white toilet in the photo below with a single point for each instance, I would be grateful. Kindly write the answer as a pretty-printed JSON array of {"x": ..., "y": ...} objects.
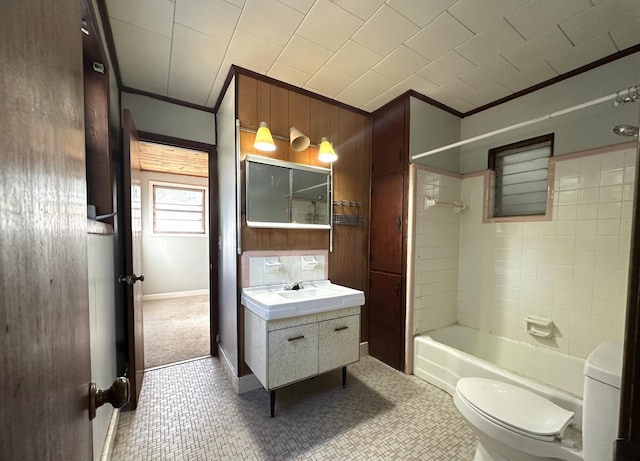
[{"x": 514, "y": 424}]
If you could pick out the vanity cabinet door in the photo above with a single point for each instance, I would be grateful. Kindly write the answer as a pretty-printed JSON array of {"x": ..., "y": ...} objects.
[
  {"x": 293, "y": 354},
  {"x": 339, "y": 342}
]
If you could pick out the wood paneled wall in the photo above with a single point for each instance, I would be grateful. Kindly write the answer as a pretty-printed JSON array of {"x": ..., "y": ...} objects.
[{"x": 350, "y": 133}]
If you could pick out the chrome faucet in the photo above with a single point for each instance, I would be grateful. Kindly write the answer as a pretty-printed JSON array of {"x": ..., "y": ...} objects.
[{"x": 293, "y": 286}]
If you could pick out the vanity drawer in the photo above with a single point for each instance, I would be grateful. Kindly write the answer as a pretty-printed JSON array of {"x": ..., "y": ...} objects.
[{"x": 293, "y": 354}]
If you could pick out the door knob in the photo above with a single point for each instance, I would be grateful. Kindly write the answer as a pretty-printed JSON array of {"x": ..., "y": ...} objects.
[
  {"x": 117, "y": 395},
  {"x": 130, "y": 279}
]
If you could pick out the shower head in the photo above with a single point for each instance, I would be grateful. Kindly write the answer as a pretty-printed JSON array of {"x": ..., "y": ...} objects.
[{"x": 626, "y": 130}]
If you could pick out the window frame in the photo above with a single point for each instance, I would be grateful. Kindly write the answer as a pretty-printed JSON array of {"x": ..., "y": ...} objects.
[
  {"x": 490, "y": 179},
  {"x": 179, "y": 186}
]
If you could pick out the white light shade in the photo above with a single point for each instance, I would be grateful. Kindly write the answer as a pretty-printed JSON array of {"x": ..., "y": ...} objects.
[
  {"x": 326, "y": 153},
  {"x": 264, "y": 140}
]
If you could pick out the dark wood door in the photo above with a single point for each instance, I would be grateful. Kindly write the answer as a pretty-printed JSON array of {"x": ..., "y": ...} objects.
[
  {"x": 44, "y": 301},
  {"x": 387, "y": 223},
  {"x": 132, "y": 235},
  {"x": 386, "y": 318}
]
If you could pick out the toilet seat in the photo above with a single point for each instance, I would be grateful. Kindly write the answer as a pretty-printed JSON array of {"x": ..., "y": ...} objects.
[{"x": 514, "y": 408}]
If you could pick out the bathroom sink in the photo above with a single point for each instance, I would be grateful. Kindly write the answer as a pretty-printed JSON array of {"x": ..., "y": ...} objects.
[
  {"x": 305, "y": 293},
  {"x": 272, "y": 302}
]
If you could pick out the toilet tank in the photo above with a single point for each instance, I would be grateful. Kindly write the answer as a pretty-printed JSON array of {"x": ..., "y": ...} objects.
[{"x": 603, "y": 372}]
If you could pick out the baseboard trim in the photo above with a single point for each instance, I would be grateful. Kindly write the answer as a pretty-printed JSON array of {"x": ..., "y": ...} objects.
[
  {"x": 110, "y": 440},
  {"x": 176, "y": 294},
  {"x": 240, "y": 384}
]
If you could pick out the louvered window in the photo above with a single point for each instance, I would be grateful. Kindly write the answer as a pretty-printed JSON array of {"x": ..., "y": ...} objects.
[
  {"x": 179, "y": 209},
  {"x": 521, "y": 176}
]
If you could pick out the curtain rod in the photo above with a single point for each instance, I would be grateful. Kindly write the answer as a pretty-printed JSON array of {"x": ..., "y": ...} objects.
[{"x": 631, "y": 92}]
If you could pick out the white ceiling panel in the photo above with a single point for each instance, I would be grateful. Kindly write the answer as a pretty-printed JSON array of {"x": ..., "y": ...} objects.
[
  {"x": 379, "y": 101},
  {"x": 144, "y": 71},
  {"x": 352, "y": 96},
  {"x": 461, "y": 105},
  {"x": 198, "y": 81},
  {"x": 328, "y": 25},
  {"x": 372, "y": 84},
  {"x": 446, "y": 68},
  {"x": 497, "y": 39},
  {"x": 271, "y": 20},
  {"x": 364, "y": 9},
  {"x": 439, "y": 37},
  {"x": 420, "y": 12},
  {"x": 153, "y": 15},
  {"x": 453, "y": 89},
  {"x": 478, "y": 15},
  {"x": 303, "y": 6},
  {"x": 353, "y": 59},
  {"x": 627, "y": 35},
  {"x": 147, "y": 45},
  {"x": 248, "y": 50},
  {"x": 539, "y": 16},
  {"x": 487, "y": 74},
  {"x": 202, "y": 49},
  {"x": 304, "y": 55},
  {"x": 416, "y": 83},
  {"x": 600, "y": 19},
  {"x": 461, "y": 53},
  {"x": 583, "y": 54},
  {"x": 487, "y": 94},
  {"x": 328, "y": 82},
  {"x": 288, "y": 74},
  {"x": 529, "y": 76},
  {"x": 134, "y": 40},
  {"x": 539, "y": 48},
  {"x": 401, "y": 63},
  {"x": 397, "y": 29},
  {"x": 216, "y": 18}
]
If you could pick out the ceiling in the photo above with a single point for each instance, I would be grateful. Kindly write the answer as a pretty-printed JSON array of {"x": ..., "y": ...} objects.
[
  {"x": 169, "y": 159},
  {"x": 462, "y": 53}
]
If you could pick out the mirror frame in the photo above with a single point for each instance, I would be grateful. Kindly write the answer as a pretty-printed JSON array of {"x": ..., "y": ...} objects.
[{"x": 292, "y": 166}]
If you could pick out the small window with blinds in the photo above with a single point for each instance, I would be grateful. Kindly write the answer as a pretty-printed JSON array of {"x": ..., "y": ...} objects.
[
  {"x": 179, "y": 209},
  {"x": 521, "y": 177}
]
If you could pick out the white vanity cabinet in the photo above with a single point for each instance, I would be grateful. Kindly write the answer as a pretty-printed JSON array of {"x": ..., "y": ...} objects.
[
  {"x": 292, "y": 355},
  {"x": 283, "y": 351}
]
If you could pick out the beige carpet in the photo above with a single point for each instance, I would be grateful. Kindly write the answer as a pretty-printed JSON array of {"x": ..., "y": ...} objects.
[{"x": 175, "y": 330}]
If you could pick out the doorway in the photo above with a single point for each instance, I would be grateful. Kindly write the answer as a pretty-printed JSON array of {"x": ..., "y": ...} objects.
[{"x": 176, "y": 228}]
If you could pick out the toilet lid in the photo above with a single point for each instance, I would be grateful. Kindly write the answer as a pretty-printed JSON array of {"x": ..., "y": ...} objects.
[{"x": 514, "y": 407}]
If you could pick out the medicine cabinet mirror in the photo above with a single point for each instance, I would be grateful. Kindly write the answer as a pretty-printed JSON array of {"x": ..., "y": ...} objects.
[{"x": 287, "y": 195}]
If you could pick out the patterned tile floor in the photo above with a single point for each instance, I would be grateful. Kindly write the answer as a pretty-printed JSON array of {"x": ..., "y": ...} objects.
[{"x": 189, "y": 411}]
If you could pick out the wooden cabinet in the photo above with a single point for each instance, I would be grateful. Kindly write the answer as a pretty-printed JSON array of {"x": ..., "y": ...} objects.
[
  {"x": 390, "y": 150},
  {"x": 387, "y": 223},
  {"x": 387, "y": 332},
  {"x": 388, "y": 233},
  {"x": 281, "y": 352}
]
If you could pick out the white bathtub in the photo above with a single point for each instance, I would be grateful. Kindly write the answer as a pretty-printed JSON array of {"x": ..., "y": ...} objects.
[{"x": 443, "y": 356}]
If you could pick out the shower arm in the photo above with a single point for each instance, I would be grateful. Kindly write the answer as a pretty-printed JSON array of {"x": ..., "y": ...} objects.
[{"x": 632, "y": 94}]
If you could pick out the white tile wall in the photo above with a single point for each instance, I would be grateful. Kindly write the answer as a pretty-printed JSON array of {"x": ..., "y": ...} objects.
[
  {"x": 280, "y": 267},
  {"x": 436, "y": 252},
  {"x": 572, "y": 269}
]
